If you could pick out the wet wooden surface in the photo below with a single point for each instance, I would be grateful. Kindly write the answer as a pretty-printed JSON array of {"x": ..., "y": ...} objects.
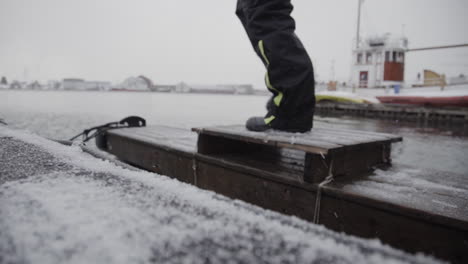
[
  {"x": 401, "y": 185},
  {"x": 162, "y": 136},
  {"x": 409, "y": 208},
  {"x": 319, "y": 140},
  {"x": 432, "y": 195},
  {"x": 325, "y": 151}
]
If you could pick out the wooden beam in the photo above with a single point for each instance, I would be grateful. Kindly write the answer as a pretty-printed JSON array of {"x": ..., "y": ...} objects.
[{"x": 368, "y": 205}]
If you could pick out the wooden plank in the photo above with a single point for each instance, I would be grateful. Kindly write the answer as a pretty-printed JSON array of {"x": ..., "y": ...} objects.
[
  {"x": 347, "y": 138},
  {"x": 447, "y": 185},
  {"x": 407, "y": 228},
  {"x": 352, "y": 153},
  {"x": 274, "y": 138},
  {"x": 385, "y": 196},
  {"x": 401, "y": 231},
  {"x": 261, "y": 165},
  {"x": 162, "y": 136},
  {"x": 333, "y": 136},
  {"x": 166, "y": 151},
  {"x": 270, "y": 156},
  {"x": 383, "y": 205},
  {"x": 261, "y": 157},
  {"x": 377, "y": 136},
  {"x": 347, "y": 162},
  {"x": 413, "y": 191},
  {"x": 257, "y": 190}
]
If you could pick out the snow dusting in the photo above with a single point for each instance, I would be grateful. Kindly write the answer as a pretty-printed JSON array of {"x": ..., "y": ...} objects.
[{"x": 60, "y": 205}]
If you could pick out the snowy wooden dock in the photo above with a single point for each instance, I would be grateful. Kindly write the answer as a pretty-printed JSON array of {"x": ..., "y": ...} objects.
[
  {"x": 411, "y": 209},
  {"x": 58, "y": 204},
  {"x": 312, "y": 156}
]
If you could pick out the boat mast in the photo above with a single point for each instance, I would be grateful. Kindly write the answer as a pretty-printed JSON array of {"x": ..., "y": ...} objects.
[{"x": 358, "y": 23}]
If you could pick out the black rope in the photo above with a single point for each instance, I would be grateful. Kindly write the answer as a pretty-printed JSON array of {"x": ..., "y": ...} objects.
[
  {"x": 3, "y": 122},
  {"x": 86, "y": 132},
  {"x": 90, "y": 133}
]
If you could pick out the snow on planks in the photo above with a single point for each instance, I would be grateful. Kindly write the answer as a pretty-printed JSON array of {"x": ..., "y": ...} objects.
[
  {"x": 418, "y": 211},
  {"x": 60, "y": 204},
  {"x": 318, "y": 141},
  {"x": 324, "y": 151}
]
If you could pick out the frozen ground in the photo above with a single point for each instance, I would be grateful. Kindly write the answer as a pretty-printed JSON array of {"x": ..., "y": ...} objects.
[{"x": 58, "y": 204}]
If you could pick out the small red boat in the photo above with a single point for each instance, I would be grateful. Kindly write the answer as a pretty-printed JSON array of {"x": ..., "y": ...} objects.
[{"x": 459, "y": 101}]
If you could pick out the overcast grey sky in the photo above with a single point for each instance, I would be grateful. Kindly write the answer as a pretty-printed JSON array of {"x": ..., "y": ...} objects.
[{"x": 203, "y": 42}]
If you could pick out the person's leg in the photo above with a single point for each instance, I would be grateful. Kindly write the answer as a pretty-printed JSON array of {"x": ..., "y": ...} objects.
[{"x": 290, "y": 75}]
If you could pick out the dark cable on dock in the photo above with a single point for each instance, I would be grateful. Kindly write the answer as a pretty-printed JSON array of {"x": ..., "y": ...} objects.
[{"x": 131, "y": 121}]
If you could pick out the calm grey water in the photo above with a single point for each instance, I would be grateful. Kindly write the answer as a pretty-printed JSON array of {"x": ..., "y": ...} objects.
[{"x": 61, "y": 115}]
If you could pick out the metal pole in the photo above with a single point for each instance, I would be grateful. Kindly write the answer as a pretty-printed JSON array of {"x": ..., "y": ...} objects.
[
  {"x": 439, "y": 47},
  {"x": 358, "y": 23}
]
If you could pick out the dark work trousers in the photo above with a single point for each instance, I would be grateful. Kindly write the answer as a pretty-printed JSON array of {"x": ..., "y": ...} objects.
[{"x": 290, "y": 75}]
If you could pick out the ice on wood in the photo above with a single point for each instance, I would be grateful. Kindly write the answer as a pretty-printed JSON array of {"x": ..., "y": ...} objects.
[
  {"x": 58, "y": 204},
  {"x": 420, "y": 189}
]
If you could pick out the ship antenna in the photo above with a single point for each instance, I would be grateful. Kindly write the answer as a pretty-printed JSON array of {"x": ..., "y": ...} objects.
[{"x": 358, "y": 23}]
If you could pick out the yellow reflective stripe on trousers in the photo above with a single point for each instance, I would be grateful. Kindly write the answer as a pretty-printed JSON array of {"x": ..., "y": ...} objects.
[
  {"x": 279, "y": 97},
  {"x": 262, "y": 51},
  {"x": 269, "y": 119}
]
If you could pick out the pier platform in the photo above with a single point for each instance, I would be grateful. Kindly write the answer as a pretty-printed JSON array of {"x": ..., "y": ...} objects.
[
  {"x": 59, "y": 204},
  {"x": 340, "y": 179}
]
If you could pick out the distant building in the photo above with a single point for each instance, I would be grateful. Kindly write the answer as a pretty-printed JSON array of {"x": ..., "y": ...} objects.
[
  {"x": 218, "y": 89},
  {"x": 432, "y": 78},
  {"x": 379, "y": 62},
  {"x": 53, "y": 85},
  {"x": 139, "y": 83},
  {"x": 163, "y": 88},
  {"x": 4, "y": 83},
  {"x": 73, "y": 84},
  {"x": 16, "y": 85},
  {"x": 182, "y": 88},
  {"x": 215, "y": 89},
  {"x": 34, "y": 86},
  {"x": 97, "y": 86},
  {"x": 460, "y": 79},
  {"x": 244, "y": 89},
  {"x": 148, "y": 81},
  {"x": 82, "y": 85}
]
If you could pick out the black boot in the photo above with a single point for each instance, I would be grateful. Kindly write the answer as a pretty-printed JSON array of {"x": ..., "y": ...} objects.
[
  {"x": 293, "y": 125},
  {"x": 257, "y": 124},
  {"x": 290, "y": 74}
]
